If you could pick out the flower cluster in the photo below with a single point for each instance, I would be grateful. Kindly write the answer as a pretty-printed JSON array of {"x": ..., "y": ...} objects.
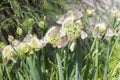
[
  {"x": 71, "y": 29},
  {"x": 99, "y": 29},
  {"x": 69, "y": 32},
  {"x": 116, "y": 14},
  {"x": 57, "y": 36},
  {"x": 53, "y": 36},
  {"x": 30, "y": 43},
  {"x": 8, "y": 52}
]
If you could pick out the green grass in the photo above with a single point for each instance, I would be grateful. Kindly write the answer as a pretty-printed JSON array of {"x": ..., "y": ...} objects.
[{"x": 93, "y": 58}]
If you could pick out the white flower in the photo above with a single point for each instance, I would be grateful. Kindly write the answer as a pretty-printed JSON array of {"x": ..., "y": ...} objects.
[
  {"x": 115, "y": 13},
  {"x": 35, "y": 43},
  {"x": 19, "y": 31},
  {"x": 101, "y": 27},
  {"x": 90, "y": 12},
  {"x": 23, "y": 48},
  {"x": 72, "y": 46},
  {"x": 8, "y": 52},
  {"x": 53, "y": 36},
  {"x": 72, "y": 28},
  {"x": 83, "y": 34}
]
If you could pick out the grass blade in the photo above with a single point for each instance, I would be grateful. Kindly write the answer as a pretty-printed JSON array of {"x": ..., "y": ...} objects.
[
  {"x": 78, "y": 61},
  {"x": 107, "y": 60},
  {"x": 61, "y": 77}
]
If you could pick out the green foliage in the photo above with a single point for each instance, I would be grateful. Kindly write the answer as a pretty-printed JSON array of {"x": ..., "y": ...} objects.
[
  {"x": 26, "y": 14},
  {"x": 93, "y": 58}
]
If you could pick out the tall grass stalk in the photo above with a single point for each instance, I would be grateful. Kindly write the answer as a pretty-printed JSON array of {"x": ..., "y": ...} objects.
[
  {"x": 109, "y": 51},
  {"x": 113, "y": 46},
  {"x": 89, "y": 59},
  {"x": 33, "y": 69},
  {"x": 61, "y": 77},
  {"x": 108, "y": 56},
  {"x": 66, "y": 65},
  {"x": 8, "y": 73},
  {"x": 96, "y": 58},
  {"x": 1, "y": 73},
  {"x": 78, "y": 61},
  {"x": 107, "y": 60}
]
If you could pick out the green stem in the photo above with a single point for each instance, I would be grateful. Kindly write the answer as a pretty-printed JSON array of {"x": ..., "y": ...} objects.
[
  {"x": 66, "y": 65},
  {"x": 61, "y": 77},
  {"x": 77, "y": 72},
  {"x": 106, "y": 61},
  {"x": 8, "y": 73},
  {"x": 113, "y": 47},
  {"x": 96, "y": 60},
  {"x": 78, "y": 62},
  {"x": 89, "y": 60}
]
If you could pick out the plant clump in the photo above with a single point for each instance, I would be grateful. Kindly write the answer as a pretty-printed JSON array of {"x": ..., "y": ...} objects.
[{"x": 58, "y": 36}]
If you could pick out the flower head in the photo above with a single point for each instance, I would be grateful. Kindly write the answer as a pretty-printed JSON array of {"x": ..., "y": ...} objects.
[
  {"x": 101, "y": 27},
  {"x": 19, "y": 31},
  {"x": 115, "y": 13},
  {"x": 41, "y": 24},
  {"x": 8, "y": 52},
  {"x": 72, "y": 28},
  {"x": 10, "y": 38},
  {"x": 23, "y": 48},
  {"x": 90, "y": 12},
  {"x": 53, "y": 36},
  {"x": 35, "y": 43}
]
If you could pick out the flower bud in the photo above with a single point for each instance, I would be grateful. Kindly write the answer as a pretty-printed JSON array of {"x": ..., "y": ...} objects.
[
  {"x": 41, "y": 24},
  {"x": 19, "y": 31},
  {"x": 90, "y": 12},
  {"x": 2, "y": 45},
  {"x": 101, "y": 27},
  {"x": 10, "y": 38}
]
